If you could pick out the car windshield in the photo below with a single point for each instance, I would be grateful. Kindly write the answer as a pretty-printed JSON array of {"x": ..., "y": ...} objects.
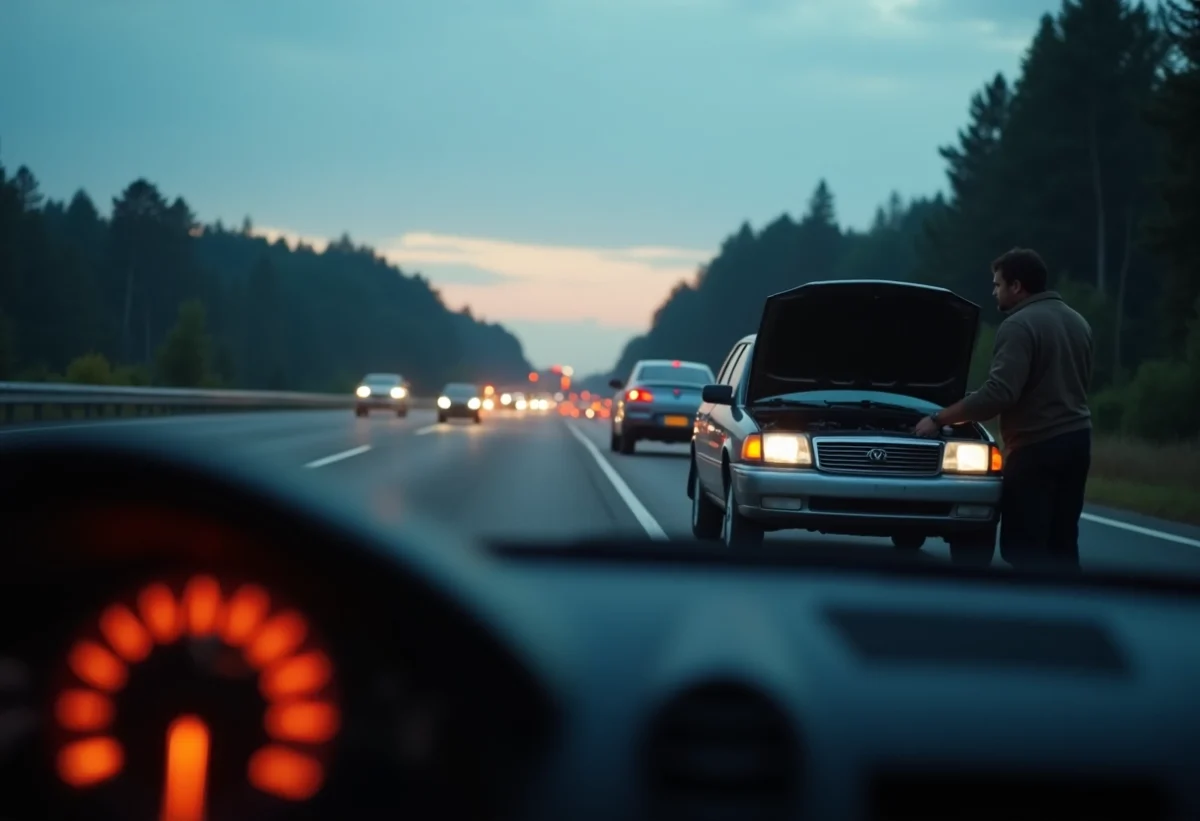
[
  {"x": 675, "y": 375},
  {"x": 546, "y": 206}
]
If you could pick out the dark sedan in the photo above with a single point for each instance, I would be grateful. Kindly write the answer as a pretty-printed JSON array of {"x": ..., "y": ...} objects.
[
  {"x": 658, "y": 403},
  {"x": 460, "y": 400},
  {"x": 382, "y": 391}
]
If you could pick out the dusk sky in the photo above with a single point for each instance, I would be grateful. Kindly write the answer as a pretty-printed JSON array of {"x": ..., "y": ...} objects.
[{"x": 558, "y": 165}]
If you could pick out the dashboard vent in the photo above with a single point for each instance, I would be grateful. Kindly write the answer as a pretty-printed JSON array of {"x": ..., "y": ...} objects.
[{"x": 721, "y": 751}]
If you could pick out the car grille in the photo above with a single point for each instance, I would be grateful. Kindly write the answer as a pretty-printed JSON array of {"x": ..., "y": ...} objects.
[{"x": 878, "y": 458}]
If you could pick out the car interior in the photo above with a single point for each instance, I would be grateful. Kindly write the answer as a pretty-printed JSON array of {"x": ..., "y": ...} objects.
[{"x": 205, "y": 640}]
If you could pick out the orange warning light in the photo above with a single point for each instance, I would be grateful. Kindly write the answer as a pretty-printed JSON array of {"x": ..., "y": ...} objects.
[
  {"x": 277, "y": 639},
  {"x": 90, "y": 761},
  {"x": 285, "y": 773},
  {"x": 241, "y": 618},
  {"x": 201, "y": 604},
  {"x": 185, "y": 781},
  {"x": 533, "y": 377},
  {"x": 84, "y": 711}
]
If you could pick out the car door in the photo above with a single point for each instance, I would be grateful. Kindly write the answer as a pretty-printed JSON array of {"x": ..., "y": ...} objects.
[{"x": 710, "y": 435}]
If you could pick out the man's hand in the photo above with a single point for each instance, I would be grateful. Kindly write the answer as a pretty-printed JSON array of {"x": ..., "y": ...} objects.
[{"x": 927, "y": 428}]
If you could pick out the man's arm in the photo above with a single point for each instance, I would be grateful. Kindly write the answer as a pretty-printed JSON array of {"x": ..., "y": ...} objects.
[{"x": 1012, "y": 356}]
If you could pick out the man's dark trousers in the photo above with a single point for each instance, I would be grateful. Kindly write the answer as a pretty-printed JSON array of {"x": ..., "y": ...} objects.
[{"x": 1043, "y": 498}]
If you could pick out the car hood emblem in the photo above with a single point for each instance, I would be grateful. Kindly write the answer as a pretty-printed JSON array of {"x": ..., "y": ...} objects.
[{"x": 877, "y": 455}]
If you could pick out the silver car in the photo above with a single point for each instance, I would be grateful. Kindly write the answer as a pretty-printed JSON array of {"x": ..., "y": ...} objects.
[
  {"x": 809, "y": 423},
  {"x": 658, "y": 402}
]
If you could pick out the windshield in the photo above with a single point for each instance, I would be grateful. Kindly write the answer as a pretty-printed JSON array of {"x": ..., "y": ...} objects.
[
  {"x": 512, "y": 205},
  {"x": 681, "y": 375},
  {"x": 460, "y": 389}
]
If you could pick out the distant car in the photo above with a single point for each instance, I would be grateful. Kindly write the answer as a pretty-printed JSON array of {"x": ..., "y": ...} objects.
[
  {"x": 460, "y": 400},
  {"x": 388, "y": 391},
  {"x": 539, "y": 402},
  {"x": 657, "y": 403},
  {"x": 809, "y": 423}
]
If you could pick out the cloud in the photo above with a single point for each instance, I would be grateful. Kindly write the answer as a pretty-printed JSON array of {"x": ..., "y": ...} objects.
[
  {"x": 613, "y": 286},
  {"x": 995, "y": 26},
  {"x": 504, "y": 280},
  {"x": 450, "y": 274}
]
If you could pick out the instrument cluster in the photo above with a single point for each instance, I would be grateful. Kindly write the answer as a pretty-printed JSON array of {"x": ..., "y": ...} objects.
[{"x": 180, "y": 672}]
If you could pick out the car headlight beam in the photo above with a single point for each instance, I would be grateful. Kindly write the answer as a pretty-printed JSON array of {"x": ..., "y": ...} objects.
[
  {"x": 362, "y": 391},
  {"x": 778, "y": 449},
  {"x": 786, "y": 449},
  {"x": 399, "y": 393},
  {"x": 473, "y": 403},
  {"x": 443, "y": 402},
  {"x": 967, "y": 457}
]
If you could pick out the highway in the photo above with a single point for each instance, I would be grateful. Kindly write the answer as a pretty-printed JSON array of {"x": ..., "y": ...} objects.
[{"x": 538, "y": 477}]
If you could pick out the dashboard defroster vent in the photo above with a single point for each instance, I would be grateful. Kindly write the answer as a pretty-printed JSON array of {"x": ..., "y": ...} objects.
[{"x": 721, "y": 751}]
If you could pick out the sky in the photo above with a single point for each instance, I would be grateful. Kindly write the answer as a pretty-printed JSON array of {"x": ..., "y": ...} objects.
[{"x": 557, "y": 165}]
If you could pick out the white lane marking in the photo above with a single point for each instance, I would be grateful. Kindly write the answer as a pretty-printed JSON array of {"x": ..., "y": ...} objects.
[
  {"x": 337, "y": 457},
  {"x": 428, "y": 429},
  {"x": 1142, "y": 531},
  {"x": 638, "y": 510}
]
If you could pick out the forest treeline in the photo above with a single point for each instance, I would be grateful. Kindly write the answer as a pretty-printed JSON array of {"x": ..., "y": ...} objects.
[
  {"x": 1091, "y": 156},
  {"x": 149, "y": 295}
]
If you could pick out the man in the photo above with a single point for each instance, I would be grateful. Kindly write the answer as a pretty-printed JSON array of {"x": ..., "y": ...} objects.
[{"x": 1038, "y": 383}]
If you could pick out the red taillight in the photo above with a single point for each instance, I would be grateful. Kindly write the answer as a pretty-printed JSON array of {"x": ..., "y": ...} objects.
[
  {"x": 638, "y": 395},
  {"x": 676, "y": 364}
]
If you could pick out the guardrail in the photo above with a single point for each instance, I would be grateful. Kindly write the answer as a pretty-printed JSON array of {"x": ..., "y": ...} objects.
[{"x": 90, "y": 401}]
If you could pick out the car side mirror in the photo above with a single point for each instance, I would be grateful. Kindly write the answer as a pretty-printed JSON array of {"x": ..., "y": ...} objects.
[
  {"x": 616, "y": 384},
  {"x": 717, "y": 394}
]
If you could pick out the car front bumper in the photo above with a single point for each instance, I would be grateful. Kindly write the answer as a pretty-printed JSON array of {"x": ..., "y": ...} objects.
[
  {"x": 807, "y": 499},
  {"x": 376, "y": 402},
  {"x": 461, "y": 411}
]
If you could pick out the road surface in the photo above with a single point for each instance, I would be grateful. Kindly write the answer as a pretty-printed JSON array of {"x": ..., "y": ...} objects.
[{"x": 541, "y": 478}]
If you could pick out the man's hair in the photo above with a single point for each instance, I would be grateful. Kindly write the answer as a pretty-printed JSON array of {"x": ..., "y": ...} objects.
[{"x": 1023, "y": 265}]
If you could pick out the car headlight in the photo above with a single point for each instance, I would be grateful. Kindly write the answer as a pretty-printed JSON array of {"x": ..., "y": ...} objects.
[
  {"x": 778, "y": 449},
  {"x": 474, "y": 403},
  {"x": 971, "y": 457},
  {"x": 520, "y": 404},
  {"x": 443, "y": 402},
  {"x": 489, "y": 404},
  {"x": 363, "y": 391},
  {"x": 506, "y": 399},
  {"x": 399, "y": 393}
]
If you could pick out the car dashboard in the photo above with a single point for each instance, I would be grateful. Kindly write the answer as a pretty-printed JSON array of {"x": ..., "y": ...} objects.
[{"x": 206, "y": 641}]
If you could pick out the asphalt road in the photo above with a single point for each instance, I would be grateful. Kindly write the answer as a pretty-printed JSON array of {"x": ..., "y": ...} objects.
[{"x": 541, "y": 478}]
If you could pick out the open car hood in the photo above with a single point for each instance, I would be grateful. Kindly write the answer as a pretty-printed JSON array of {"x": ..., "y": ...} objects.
[{"x": 874, "y": 335}]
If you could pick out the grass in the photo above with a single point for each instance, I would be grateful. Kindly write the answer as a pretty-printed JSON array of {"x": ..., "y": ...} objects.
[
  {"x": 1142, "y": 477},
  {"x": 1157, "y": 480}
]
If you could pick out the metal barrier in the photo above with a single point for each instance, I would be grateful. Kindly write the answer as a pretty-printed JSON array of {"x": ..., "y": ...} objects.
[{"x": 92, "y": 400}]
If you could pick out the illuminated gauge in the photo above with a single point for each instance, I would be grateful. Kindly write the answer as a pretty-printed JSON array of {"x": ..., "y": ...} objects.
[{"x": 198, "y": 698}]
